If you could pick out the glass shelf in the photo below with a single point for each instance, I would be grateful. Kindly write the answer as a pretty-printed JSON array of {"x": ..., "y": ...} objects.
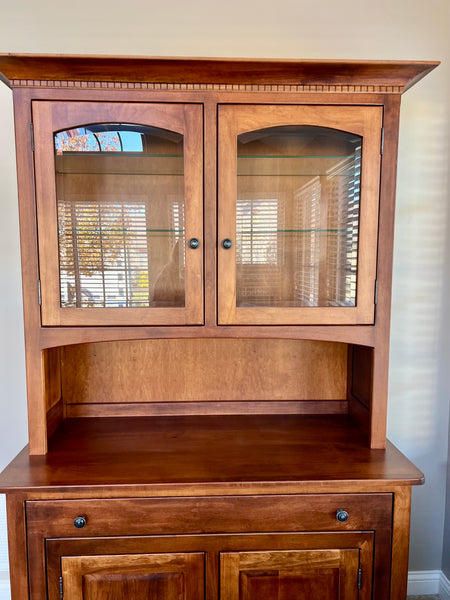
[
  {"x": 115, "y": 163},
  {"x": 104, "y": 230},
  {"x": 274, "y": 303},
  {"x": 121, "y": 155},
  {"x": 340, "y": 175},
  {"x": 273, "y": 231},
  {"x": 121, "y": 173},
  {"x": 293, "y": 165},
  {"x": 300, "y": 156}
]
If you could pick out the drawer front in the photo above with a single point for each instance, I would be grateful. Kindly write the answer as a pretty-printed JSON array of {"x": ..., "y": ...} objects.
[{"x": 229, "y": 514}]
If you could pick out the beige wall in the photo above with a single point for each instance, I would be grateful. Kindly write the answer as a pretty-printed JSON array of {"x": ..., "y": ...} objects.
[{"x": 385, "y": 29}]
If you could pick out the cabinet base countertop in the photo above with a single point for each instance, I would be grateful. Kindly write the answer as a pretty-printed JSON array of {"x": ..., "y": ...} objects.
[
  {"x": 209, "y": 455},
  {"x": 137, "y": 501}
]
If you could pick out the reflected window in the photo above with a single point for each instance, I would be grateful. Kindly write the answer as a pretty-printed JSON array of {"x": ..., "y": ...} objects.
[
  {"x": 297, "y": 216},
  {"x": 120, "y": 203},
  {"x": 100, "y": 138},
  {"x": 257, "y": 223}
]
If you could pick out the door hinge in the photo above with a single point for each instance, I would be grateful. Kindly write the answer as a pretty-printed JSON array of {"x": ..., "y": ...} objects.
[
  {"x": 39, "y": 292},
  {"x": 382, "y": 140},
  {"x": 32, "y": 137},
  {"x": 61, "y": 588},
  {"x": 359, "y": 579}
]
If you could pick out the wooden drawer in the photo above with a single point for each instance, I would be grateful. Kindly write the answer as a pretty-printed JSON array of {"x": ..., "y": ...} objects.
[{"x": 229, "y": 514}]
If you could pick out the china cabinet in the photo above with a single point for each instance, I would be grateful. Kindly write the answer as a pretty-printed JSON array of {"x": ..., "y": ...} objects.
[{"x": 206, "y": 260}]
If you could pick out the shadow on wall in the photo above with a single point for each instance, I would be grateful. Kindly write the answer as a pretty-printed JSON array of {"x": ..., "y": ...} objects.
[
  {"x": 420, "y": 272},
  {"x": 418, "y": 406}
]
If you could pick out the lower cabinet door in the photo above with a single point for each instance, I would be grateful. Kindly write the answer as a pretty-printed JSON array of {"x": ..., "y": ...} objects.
[
  {"x": 134, "y": 577},
  {"x": 270, "y": 566},
  {"x": 290, "y": 575}
]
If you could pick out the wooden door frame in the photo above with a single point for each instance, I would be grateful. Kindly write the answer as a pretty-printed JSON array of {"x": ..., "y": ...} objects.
[
  {"x": 365, "y": 121},
  {"x": 50, "y": 117}
]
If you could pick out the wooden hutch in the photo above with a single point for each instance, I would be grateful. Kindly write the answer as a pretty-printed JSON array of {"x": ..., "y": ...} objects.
[{"x": 206, "y": 258}]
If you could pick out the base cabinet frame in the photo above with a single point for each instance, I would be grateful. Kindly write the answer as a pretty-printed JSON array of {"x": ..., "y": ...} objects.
[{"x": 359, "y": 556}]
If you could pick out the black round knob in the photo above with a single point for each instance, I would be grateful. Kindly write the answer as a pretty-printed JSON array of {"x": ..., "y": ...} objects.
[
  {"x": 80, "y": 522},
  {"x": 194, "y": 243},
  {"x": 342, "y": 515},
  {"x": 227, "y": 243}
]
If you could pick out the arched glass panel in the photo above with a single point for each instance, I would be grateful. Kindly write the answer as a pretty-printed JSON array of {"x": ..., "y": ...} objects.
[
  {"x": 120, "y": 204},
  {"x": 297, "y": 217},
  {"x": 101, "y": 138}
]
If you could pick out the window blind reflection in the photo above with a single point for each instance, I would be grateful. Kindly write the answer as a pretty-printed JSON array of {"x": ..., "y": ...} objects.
[
  {"x": 120, "y": 204},
  {"x": 297, "y": 216}
]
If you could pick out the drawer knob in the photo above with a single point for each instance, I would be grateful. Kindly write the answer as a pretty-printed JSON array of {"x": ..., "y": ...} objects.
[
  {"x": 194, "y": 243},
  {"x": 227, "y": 243},
  {"x": 342, "y": 515},
  {"x": 79, "y": 522}
]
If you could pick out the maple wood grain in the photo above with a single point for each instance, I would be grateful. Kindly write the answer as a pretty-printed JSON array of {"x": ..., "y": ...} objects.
[
  {"x": 166, "y": 70},
  {"x": 211, "y": 545},
  {"x": 195, "y": 452},
  {"x": 201, "y": 515},
  {"x": 211, "y": 483},
  {"x": 303, "y": 574},
  {"x": 50, "y": 117},
  {"x": 164, "y": 576},
  {"x": 50, "y": 337},
  {"x": 400, "y": 542},
  {"x": 17, "y": 545},
  {"x": 380, "y": 365},
  {"x": 210, "y": 370},
  {"x": 237, "y": 119}
]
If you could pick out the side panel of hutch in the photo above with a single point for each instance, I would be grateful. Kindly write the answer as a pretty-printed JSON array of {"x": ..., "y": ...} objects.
[{"x": 206, "y": 258}]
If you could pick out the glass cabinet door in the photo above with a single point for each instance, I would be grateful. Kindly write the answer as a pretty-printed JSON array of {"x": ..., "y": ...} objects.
[
  {"x": 298, "y": 214},
  {"x": 119, "y": 199}
]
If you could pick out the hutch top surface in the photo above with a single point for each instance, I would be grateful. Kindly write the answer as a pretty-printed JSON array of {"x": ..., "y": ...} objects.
[{"x": 399, "y": 75}]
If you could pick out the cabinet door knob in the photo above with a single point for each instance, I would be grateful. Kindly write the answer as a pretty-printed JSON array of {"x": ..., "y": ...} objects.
[
  {"x": 80, "y": 522},
  {"x": 227, "y": 243},
  {"x": 342, "y": 515},
  {"x": 194, "y": 243}
]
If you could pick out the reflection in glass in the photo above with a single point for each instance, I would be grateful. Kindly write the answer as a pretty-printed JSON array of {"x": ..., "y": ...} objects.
[
  {"x": 120, "y": 202},
  {"x": 297, "y": 217}
]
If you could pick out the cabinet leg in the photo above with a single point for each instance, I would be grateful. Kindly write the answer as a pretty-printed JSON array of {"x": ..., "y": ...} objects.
[
  {"x": 400, "y": 543},
  {"x": 17, "y": 545}
]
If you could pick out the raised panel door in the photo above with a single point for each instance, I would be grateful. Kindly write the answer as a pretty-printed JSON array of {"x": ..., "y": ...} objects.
[
  {"x": 135, "y": 577},
  {"x": 290, "y": 575}
]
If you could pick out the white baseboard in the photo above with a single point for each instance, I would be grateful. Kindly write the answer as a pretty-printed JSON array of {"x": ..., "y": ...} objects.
[
  {"x": 423, "y": 582},
  {"x": 428, "y": 582},
  {"x": 5, "y": 593},
  {"x": 444, "y": 588}
]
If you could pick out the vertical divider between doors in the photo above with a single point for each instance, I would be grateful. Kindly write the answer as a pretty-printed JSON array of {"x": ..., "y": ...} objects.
[
  {"x": 210, "y": 210},
  {"x": 212, "y": 573}
]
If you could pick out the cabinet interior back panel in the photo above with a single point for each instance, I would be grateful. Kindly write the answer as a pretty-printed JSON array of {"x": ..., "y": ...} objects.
[{"x": 211, "y": 370}]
